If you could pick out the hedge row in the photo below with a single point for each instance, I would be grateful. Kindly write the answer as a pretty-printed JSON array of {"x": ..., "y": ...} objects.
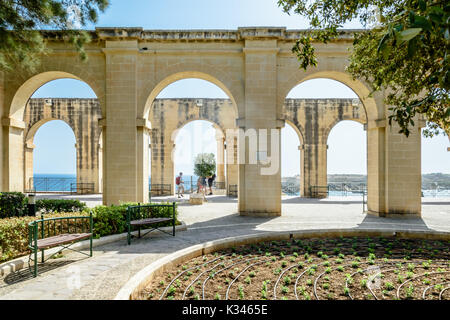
[
  {"x": 108, "y": 220},
  {"x": 14, "y": 235},
  {"x": 13, "y": 204},
  {"x": 59, "y": 205}
]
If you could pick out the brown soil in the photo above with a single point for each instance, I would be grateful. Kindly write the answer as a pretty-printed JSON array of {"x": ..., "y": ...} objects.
[{"x": 313, "y": 269}]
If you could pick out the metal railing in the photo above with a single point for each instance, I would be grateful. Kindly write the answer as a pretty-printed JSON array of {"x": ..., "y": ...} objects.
[
  {"x": 47, "y": 184},
  {"x": 318, "y": 191},
  {"x": 345, "y": 189},
  {"x": 160, "y": 189},
  {"x": 82, "y": 188},
  {"x": 232, "y": 190},
  {"x": 290, "y": 189},
  {"x": 219, "y": 185}
]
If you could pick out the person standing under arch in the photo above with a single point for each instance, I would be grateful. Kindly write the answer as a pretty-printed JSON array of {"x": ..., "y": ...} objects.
[
  {"x": 210, "y": 183},
  {"x": 180, "y": 185}
]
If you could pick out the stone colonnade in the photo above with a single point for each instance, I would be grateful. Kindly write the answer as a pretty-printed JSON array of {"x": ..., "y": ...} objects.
[
  {"x": 255, "y": 67},
  {"x": 312, "y": 119},
  {"x": 82, "y": 116}
]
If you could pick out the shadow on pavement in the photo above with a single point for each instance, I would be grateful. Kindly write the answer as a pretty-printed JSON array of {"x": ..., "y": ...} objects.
[{"x": 26, "y": 274}]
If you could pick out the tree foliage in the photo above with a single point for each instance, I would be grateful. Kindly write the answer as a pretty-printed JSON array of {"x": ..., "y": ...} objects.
[
  {"x": 21, "y": 41},
  {"x": 402, "y": 50},
  {"x": 205, "y": 165}
]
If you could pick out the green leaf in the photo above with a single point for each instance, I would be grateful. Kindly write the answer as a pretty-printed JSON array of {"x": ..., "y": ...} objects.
[
  {"x": 436, "y": 18},
  {"x": 412, "y": 47},
  {"x": 437, "y": 10},
  {"x": 382, "y": 44},
  {"x": 422, "y": 5},
  {"x": 421, "y": 22},
  {"x": 408, "y": 34}
]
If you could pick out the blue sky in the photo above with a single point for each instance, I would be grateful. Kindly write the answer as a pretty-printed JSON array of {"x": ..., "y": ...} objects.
[{"x": 55, "y": 153}]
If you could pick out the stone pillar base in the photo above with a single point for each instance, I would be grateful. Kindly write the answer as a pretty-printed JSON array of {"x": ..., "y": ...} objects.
[
  {"x": 260, "y": 214},
  {"x": 197, "y": 199},
  {"x": 394, "y": 215}
]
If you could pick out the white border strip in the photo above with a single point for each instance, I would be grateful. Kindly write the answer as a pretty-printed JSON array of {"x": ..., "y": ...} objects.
[{"x": 140, "y": 280}]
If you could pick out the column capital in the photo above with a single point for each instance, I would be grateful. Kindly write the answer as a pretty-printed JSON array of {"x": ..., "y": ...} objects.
[
  {"x": 29, "y": 145},
  {"x": 102, "y": 122},
  {"x": 375, "y": 124},
  {"x": 421, "y": 123},
  {"x": 312, "y": 145},
  {"x": 143, "y": 123},
  {"x": 11, "y": 122}
]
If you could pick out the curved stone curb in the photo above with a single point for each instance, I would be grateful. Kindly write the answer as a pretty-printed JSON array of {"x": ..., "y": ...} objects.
[
  {"x": 140, "y": 280},
  {"x": 22, "y": 262}
]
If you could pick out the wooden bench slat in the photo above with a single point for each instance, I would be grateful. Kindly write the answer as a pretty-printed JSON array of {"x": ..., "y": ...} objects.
[
  {"x": 149, "y": 221},
  {"x": 61, "y": 239}
]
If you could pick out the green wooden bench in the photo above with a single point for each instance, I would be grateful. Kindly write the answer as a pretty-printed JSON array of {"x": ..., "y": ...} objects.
[
  {"x": 148, "y": 215},
  {"x": 62, "y": 232}
]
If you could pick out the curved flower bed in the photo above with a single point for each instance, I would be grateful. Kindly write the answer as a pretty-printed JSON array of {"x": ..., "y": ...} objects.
[{"x": 313, "y": 269}]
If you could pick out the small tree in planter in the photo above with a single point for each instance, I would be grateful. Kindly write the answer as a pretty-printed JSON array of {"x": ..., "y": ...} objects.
[{"x": 205, "y": 165}]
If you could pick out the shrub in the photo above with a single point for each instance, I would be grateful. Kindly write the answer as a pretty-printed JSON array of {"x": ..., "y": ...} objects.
[
  {"x": 109, "y": 220},
  {"x": 205, "y": 165},
  {"x": 59, "y": 205},
  {"x": 112, "y": 220},
  {"x": 13, "y": 204},
  {"x": 14, "y": 235}
]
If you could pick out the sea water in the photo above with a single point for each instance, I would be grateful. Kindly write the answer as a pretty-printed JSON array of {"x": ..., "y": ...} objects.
[{"x": 62, "y": 182}]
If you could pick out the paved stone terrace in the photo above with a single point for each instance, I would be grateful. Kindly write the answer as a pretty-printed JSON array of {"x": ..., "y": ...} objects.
[{"x": 102, "y": 276}]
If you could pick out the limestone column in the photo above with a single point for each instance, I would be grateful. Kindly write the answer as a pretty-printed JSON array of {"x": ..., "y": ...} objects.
[
  {"x": 231, "y": 160},
  {"x": 402, "y": 181},
  {"x": 28, "y": 149},
  {"x": 143, "y": 141},
  {"x": 303, "y": 187},
  {"x": 314, "y": 169},
  {"x": 220, "y": 158},
  {"x": 259, "y": 191},
  {"x": 162, "y": 165},
  {"x": 100, "y": 166},
  {"x": 13, "y": 156},
  {"x": 124, "y": 136},
  {"x": 87, "y": 152}
]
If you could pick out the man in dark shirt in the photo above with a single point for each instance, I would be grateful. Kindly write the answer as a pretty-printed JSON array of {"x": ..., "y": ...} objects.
[{"x": 210, "y": 183}]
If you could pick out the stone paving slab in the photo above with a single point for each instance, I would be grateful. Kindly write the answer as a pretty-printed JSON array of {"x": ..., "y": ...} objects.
[{"x": 113, "y": 264}]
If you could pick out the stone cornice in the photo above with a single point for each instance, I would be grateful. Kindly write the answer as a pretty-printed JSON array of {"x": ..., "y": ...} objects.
[
  {"x": 242, "y": 33},
  {"x": 251, "y": 33}
]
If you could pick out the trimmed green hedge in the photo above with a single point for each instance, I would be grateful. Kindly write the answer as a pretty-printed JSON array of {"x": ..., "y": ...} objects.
[
  {"x": 14, "y": 235},
  {"x": 107, "y": 221},
  {"x": 113, "y": 219},
  {"x": 13, "y": 204},
  {"x": 59, "y": 205}
]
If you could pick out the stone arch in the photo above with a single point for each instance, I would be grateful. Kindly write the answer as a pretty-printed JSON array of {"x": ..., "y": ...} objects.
[
  {"x": 327, "y": 130},
  {"x": 298, "y": 129},
  {"x": 181, "y": 125},
  {"x": 354, "y": 146},
  {"x": 30, "y": 134},
  {"x": 29, "y": 148},
  {"x": 220, "y": 79},
  {"x": 371, "y": 109},
  {"x": 220, "y": 135},
  {"x": 26, "y": 89}
]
